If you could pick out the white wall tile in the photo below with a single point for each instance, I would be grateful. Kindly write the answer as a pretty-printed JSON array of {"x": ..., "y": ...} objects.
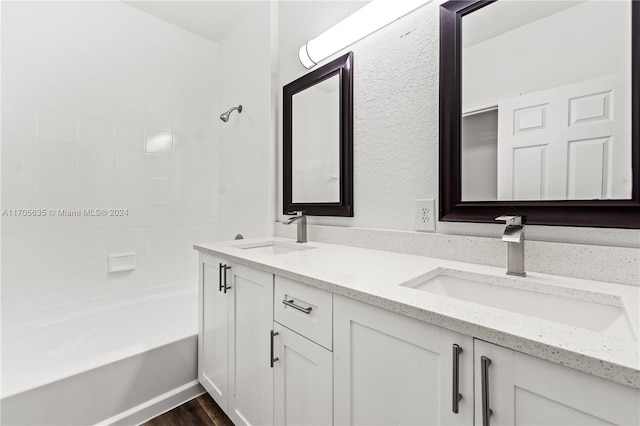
[
  {"x": 19, "y": 87},
  {"x": 95, "y": 187},
  {"x": 93, "y": 242},
  {"x": 97, "y": 75},
  {"x": 18, "y": 121},
  {"x": 95, "y": 104},
  {"x": 79, "y": 101},
  {"x": 129, "y": 162},
  {"x": 157, "y": 214},
  {"x": 159, "y": 142},
  {"x": 156, "y": 189},
  {"x": 57, "y": 95},
  {"x": 160, "y": 88},
  {"x": 130, "y": 87},
  {"x": 18, "y": 247},
  {"x": 61, "y": 186},
  {"x": 57, "y": 126},
  {"x": 95, "y": 159},
  {"x": 96, "y": 132},
  {"x": 159, "y": 117},
  {"x": 17, "y": 278},
  {"x": 58, "y": 156},
  {"x": 157, "y": 166},
  {"x": 129, "y": 136},
  {"x": 158, "y": 237},
  {"x": 61, "y": 244},
  {"x": 128, "y": 189},
  {"x": 128, "y": 111},
  {"x": 19, "y": 153},
  {"x": 19, "y": 184},
  {"x": 122, "y": 240}
]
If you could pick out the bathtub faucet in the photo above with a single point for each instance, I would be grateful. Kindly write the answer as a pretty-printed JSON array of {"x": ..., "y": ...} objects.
[{"x": 302, "y": 225}]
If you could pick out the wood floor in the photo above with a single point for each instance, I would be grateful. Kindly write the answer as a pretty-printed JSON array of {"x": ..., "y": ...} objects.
[{"x": 201, "y": 411}]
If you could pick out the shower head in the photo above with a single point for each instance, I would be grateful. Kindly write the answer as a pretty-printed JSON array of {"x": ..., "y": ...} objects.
[{"x": 225, "y": 115}]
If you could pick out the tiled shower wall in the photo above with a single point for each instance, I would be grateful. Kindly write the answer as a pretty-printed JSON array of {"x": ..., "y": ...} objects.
[{"x": 103, "y": 107}]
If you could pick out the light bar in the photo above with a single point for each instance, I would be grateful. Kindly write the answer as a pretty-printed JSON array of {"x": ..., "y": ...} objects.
[{"x": 369, "y": 19}]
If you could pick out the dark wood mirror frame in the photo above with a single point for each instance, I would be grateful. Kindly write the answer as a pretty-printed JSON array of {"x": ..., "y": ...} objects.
[
  {"x": 596, "y": 213},
  {"x": 343, "y": 67}
]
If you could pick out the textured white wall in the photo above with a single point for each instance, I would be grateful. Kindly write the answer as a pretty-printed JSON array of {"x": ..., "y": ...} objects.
[
  {"x": 84, "y": 84},
  {"x": 245, "y": 153},
  {"x": 396, "y": 77}
]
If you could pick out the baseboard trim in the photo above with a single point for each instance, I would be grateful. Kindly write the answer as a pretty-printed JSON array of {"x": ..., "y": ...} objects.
[{"x": 156, "y": 406}]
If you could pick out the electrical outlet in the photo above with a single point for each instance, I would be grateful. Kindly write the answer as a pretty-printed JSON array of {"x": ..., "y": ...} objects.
[{"x": 426, "y": 215}]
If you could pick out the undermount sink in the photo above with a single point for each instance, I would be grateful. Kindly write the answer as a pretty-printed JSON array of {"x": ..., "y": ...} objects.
[
  {"x": 588, "y": 310},
  {"x": 272, "y": 247}
]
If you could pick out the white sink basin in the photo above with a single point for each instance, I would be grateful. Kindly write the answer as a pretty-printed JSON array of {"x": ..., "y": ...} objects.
[
  {"x": 273, "y": 247},
  {"x": 576, "y": 308}
]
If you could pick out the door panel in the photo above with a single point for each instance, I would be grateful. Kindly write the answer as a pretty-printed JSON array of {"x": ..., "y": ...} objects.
[
  {"x": 303, "y": 381},
  {"x": 391, "y": 369},
  {"x": 251, "y": 377},
  {"x": 212, "y": 339},
  {"x": 526, "y": 390}
]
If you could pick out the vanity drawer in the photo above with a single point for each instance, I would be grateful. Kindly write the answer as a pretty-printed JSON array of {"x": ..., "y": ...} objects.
[{"x": 304, "y": 309}]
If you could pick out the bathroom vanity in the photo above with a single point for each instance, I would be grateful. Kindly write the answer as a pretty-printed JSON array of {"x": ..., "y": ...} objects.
[{"x": 325, "y": 334}]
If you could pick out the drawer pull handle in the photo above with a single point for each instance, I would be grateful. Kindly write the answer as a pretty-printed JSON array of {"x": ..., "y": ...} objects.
[
  {"x": 457, "y": 350},
  {"x": 220, "y": 276},
  {"x": 294, "y": 306},
  {"x": 225, "y": 288},
  {"x": 486, "y": 410},
  {"x": 272, "y": 360}
]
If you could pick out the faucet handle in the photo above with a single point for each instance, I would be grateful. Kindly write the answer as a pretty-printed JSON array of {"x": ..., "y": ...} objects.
[
  {"x": 512, "y": 220},
  {"x": 297, "y": 212}
]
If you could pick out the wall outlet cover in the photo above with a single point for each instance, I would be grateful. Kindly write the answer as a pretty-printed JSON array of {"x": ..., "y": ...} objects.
[{"x": 425, "y": 214}]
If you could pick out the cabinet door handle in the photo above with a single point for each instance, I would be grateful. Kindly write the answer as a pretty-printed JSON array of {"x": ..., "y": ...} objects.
[
  {"x": 294, "y": 306},
  {"x": 220, "y": 276},
  {"x": 457, "y": 350},
  {"x": 272, "y": 360},
  {"x": 486, "y": 410},
  {"x": 225, "y": 288}
]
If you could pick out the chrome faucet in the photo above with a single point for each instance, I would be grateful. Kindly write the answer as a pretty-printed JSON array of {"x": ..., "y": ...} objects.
[
  {"x": 302, "y": 225},
  {"x": 514, "y": 236}
]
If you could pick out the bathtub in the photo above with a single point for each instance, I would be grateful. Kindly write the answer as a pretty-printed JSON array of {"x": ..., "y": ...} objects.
[{"x": 112, "y": 360}]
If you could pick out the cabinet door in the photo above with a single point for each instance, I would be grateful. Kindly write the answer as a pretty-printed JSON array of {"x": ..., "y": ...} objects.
[
  {"x": 526, "y": 390},
  {"x": 212, "y": 330},
  {"x": 303, "y": 380},
  {"x": 391, "y": 369},
  {"x": 250, "y": 325}
]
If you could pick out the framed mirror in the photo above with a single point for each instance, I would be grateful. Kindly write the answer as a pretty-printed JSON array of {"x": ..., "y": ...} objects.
[
  {"x": 318, "y": 141},
  {"x": 539, "y": 112}
]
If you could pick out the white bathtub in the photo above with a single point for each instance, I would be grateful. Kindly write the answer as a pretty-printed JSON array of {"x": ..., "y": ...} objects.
[{"x": 111, "y": 360}]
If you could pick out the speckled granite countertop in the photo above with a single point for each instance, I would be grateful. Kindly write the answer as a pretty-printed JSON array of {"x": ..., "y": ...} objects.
[{"x": 384, "y": 279}]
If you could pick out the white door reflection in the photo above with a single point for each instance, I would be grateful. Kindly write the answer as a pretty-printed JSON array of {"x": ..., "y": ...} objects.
[{"x": 546, "y": 92}]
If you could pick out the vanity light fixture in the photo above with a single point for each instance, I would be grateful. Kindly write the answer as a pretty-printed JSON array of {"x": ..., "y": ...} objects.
[{"x": 365, "y": 21}]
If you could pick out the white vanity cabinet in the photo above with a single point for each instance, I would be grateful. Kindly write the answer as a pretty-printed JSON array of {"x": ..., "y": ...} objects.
[
  {"x": 525, "y": 390},
  {"x": 303, "y": 371},
  {"x": 236, "y": 320},
  {"x": 275, "y": 351},
  {"x": 392, "y": 369}
]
